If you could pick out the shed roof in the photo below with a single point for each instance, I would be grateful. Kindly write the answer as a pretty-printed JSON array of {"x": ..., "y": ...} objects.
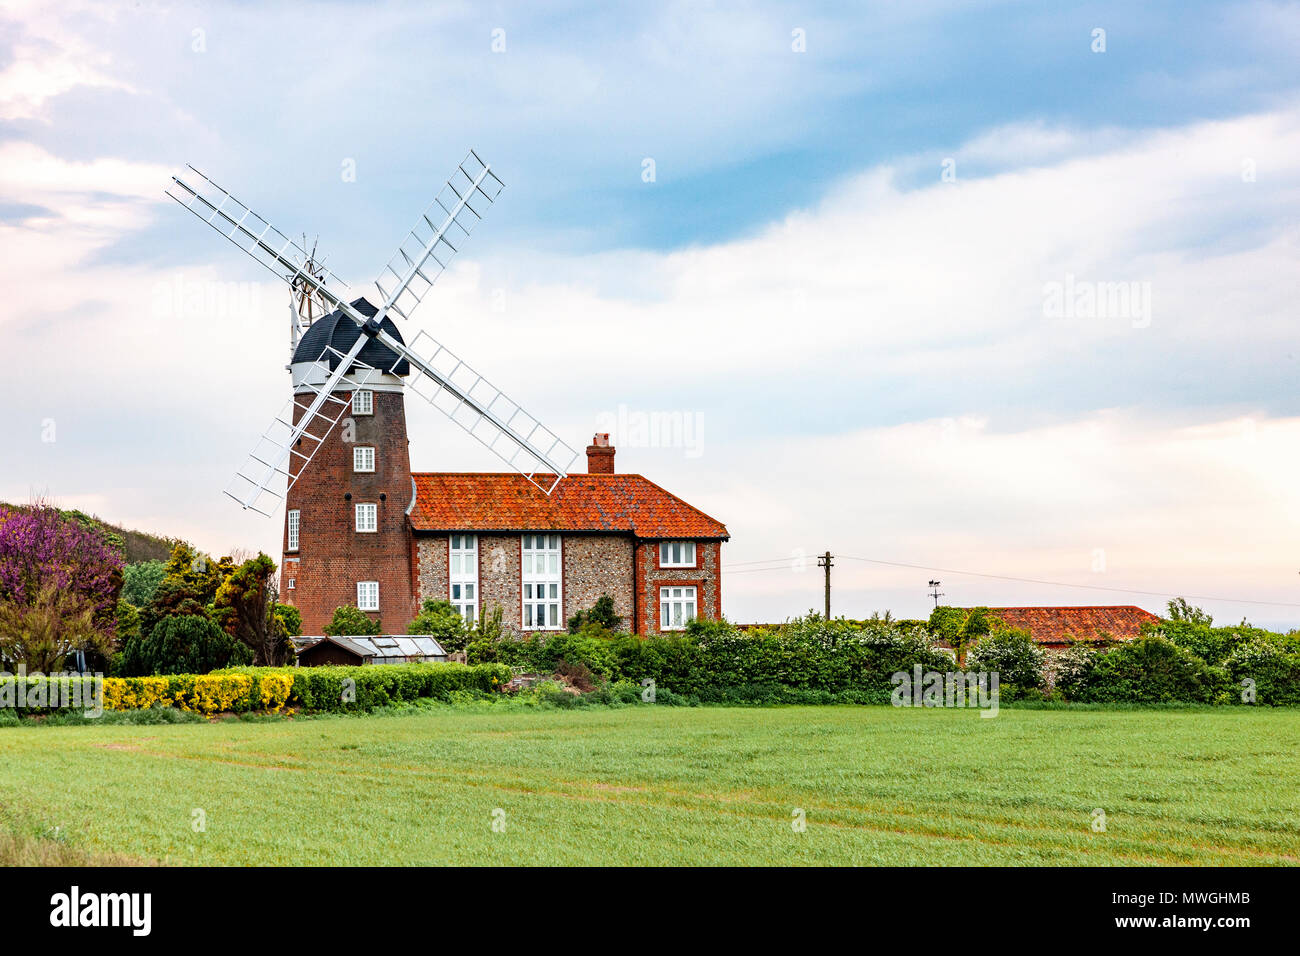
[{"x": 1056, "y": 625}]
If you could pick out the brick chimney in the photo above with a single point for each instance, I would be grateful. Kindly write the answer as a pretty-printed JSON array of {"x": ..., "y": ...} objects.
[{"x": 600, "y": 455}]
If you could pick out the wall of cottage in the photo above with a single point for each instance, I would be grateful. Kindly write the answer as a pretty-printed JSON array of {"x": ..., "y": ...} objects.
[
  {"x": 593, "y": 565},
  {"x": 705, "y": 577}
]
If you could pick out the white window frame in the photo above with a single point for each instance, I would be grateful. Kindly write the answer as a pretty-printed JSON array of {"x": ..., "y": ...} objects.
[
  {"x": 462, "y": 575},
  {"x": 669, "y": 603},
  {"x": 363, "y": 595},
  {"x": 367, "y": 508},
  {"x": 550, "y": 580},
  {"x": 682, "y": 548},
  {"x": 292, "y": 584},
  {"x": 367, "y": 404},
  {"x": 293, "y": 526},
  {"x": 363, "y": 455}
]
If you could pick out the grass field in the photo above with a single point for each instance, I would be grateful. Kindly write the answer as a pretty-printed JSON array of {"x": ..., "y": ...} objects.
[{"x": 647, "y": 785}]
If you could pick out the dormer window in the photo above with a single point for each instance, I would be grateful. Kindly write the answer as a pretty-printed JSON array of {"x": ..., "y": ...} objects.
[{"x": 363, "y": 402}]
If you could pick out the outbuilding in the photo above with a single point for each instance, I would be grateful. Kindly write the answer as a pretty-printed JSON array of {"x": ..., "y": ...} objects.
[{"x": 356, "y": 651}]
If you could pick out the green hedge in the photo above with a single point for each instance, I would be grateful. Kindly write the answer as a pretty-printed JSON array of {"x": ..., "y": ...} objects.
[
  {"x": 710, "y": 656},
  {"x": 36, "y": 693},
  {"x": 322, "y": 688},
  {"x": 1147, "y": 670}
]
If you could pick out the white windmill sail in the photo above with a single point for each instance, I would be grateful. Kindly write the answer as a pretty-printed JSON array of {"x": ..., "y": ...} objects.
[{"x": 299, "y": 431}]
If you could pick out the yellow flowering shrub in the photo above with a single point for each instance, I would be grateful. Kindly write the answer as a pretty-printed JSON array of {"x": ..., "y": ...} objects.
[{"x": 275, "y": 690}]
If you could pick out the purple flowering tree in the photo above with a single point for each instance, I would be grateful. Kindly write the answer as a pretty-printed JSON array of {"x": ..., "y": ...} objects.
[{"x": 59, "y": 584}]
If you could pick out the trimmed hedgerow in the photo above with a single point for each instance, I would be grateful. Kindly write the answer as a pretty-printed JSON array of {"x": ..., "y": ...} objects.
[
  {"x": 245, "y": 690},
  {"x": 712, "y": 655},
  {"x": 364, "y": 688}
]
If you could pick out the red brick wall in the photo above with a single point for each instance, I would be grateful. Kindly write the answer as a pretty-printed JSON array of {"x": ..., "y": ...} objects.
[{"x": 332, "y": 555}]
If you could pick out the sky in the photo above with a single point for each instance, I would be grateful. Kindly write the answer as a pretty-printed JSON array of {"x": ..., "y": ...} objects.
[{"x": 1002, "y": 294}]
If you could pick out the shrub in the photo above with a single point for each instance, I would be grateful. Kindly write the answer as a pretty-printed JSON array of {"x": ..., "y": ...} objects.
[
  {"x": 601, "y": 614},
  {"x": 1274, "y": 670},
  {"x": 441, "y": 621},
  {"x": 141, "y": 580},
  {"x": 1151, "y": 669},
  {"x": 348, "y": 621},
  {"x": 1013, "y": 654},
  {"x": 183, "y": 644}
]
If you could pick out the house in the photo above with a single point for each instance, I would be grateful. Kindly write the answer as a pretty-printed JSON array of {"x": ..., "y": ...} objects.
[
  {"x": 361, "y": 528},
  {"x": 356, "y": 651},
  {"x": 1053, "y": 627}
]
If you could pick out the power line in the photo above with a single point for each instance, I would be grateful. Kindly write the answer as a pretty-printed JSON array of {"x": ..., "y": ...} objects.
[{"x": 785, "y": 565}]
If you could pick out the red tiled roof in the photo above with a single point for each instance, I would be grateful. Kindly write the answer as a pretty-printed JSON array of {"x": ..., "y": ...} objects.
[
  {"x": 619, "y": 503},
  {"x": 1055, "y": 625}
]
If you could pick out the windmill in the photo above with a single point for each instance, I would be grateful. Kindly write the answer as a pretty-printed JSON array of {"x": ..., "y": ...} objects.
[{"x": 447, "y": 382}]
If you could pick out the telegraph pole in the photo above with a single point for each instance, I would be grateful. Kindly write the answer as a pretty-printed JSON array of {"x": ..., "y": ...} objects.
[{"x": 827, "y": 562}]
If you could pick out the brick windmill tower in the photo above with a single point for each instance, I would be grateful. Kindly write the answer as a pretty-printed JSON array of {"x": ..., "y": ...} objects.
[
  {"x": 338, "y": 447},
  {"x": 346, "y": 538}
]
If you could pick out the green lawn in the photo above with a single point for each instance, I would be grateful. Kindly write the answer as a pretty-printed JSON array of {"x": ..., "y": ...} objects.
[{"x": 647, "y": 785}]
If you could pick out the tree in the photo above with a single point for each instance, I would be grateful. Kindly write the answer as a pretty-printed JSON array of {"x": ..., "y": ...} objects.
[
  {"x": 960, "y": 627},
  {"x": 1180, "y": 610},
  {"x": 601, "y": 613},
  {"x": 244, "y": 607},
  {"x": 350, "y": 622},
  {"x": 290, "y": 619},
  {"x": 441, "y": 621},
  {"x": 183, "y": 644},
  {"x": 59, "y": 584},
  {"x": 141, "y": 580},
  {"x": 41, "y": 633},
  {"x": 173, "y": 597},
  {"x": 196, "y": 571}
]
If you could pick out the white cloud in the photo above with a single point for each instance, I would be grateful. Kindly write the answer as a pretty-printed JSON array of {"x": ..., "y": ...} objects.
[{"x": 48, "y": 60}]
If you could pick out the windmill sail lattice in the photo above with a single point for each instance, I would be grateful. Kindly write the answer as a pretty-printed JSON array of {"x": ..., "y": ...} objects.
[
  {"x": 447, "y": 382},
  {"x": 429, "y": 246},
  {"x": 257, "y": 237}
]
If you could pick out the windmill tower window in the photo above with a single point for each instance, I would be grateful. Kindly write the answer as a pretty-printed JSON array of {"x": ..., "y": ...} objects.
[
  {"x": 294, "y": 519},
  {"x": 363, "y": 402},
  {"x": 543, "y": 581},
  {"x": 368, "y": 595},
  {"x": 368, "y": 517},
  {"x": 363, "y": 459},
  {"x": 463, "y": 577}
]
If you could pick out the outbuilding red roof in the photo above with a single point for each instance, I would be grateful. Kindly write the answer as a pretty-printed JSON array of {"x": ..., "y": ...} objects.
[
  {"x": 618, "y": 503},
  {"x": 1056, "y": 625}
]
